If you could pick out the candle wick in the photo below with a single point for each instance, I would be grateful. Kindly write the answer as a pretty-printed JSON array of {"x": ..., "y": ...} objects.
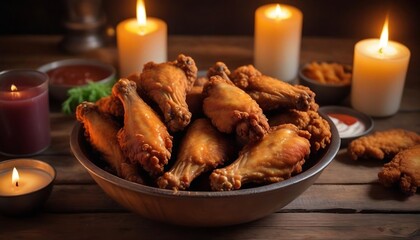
[
  {"x": 381, "y": 50},
  {"x": 17, "y": 183}
]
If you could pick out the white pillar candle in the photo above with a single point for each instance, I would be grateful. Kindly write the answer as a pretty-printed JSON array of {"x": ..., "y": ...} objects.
[
  {"x": 278, "y": 30},
  {"x": 379, "y": 71},
  {"x": 140, "y": 41}
]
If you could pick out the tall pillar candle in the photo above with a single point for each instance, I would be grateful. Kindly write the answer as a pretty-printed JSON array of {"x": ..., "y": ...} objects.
[
  {"x": 140, "y": 41},
  {"x": 378, "y": 76},
  {"x": 24, "y": 112},
  {"x": 278, "y": 30}
]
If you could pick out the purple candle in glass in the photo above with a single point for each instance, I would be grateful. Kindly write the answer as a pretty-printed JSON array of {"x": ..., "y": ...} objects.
[{"x": 24, "y": 112}]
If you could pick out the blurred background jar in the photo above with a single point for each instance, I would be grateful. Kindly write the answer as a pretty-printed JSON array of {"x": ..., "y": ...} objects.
[{"x": 85, "y": 25}]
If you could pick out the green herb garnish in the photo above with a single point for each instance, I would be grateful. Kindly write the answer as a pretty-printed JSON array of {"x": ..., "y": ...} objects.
[{"x": 91, "y": 92}]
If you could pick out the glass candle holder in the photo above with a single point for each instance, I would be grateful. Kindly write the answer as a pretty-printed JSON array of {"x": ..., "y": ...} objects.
[{"x": 24, "y": 112}]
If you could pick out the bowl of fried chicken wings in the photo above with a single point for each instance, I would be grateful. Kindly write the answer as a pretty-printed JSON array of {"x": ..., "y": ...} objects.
[{"x": 226, "y": 148}]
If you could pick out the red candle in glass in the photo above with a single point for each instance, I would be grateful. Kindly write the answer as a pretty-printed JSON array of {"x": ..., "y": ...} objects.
[{"x": 24, "y": 112}]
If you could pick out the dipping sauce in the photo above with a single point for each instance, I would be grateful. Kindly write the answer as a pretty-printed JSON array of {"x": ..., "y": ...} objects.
[
  {"x": 77, "y": 74},
  {"x": 347, "y": 126}
]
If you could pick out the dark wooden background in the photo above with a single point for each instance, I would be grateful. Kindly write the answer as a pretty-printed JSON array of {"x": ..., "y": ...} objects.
[{"x": 330, "y": 18}]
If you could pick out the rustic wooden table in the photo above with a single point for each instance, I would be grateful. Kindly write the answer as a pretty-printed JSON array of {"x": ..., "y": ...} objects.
[{"x": 346, "y": 202}]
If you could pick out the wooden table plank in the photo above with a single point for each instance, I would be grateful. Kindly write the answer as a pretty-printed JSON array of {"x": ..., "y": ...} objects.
[
  {"x": 317, "y": 198},
  {"x": 275, "y": 226}
]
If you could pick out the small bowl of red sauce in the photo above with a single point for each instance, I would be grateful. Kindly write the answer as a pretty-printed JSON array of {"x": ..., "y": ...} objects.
[
  {"x": 350, "y": 123},
  {"x": 69, "y": 73}
]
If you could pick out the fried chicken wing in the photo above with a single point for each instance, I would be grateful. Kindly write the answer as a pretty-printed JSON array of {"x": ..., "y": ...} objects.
[
  {"x": 404, "y": 169},
  {"x": 274, "y": 158},
  {"x": 167, "y": 84},
  {"x": 310, "y": 121},
  {"x": 194, "y": 100},
  {"x": 231, "y": 109},
  {"x": 101, "y": 131},
  {"x": 219, "y": 69},
  {"x": 202, "y": 149},
  {"x": 271, "y": 93},
  {"x": 110, "y": 105},
  {"x": 144, "y": 138},
  {"x": 382, "y": 144}
]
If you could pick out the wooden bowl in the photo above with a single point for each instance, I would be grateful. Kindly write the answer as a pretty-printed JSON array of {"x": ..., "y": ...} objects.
[{"x": 202, "y": 208}]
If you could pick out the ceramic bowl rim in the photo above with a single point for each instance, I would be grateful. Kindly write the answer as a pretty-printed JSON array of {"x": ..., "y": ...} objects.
[{"x": 317, "y": 168}]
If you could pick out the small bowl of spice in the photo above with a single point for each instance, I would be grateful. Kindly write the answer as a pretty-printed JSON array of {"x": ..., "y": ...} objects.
[
  {"x": 331, "y": 82},
  {"x": 69, "y": 73},
  {"x": 350, "y": 123}
]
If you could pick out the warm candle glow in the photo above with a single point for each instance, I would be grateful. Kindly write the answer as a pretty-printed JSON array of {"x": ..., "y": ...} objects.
[
  {"x": 140, "y": 41},
  {"x": 15, "y": 177},
  {"x": 141, "y": 13},
  {"x": 278, "y": 13},
  {"x": 13, "y": 88},
  {"x": 383, "y": 41}
]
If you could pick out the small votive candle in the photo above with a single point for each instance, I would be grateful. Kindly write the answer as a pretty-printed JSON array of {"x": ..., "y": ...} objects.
[
  {"x": 24, "y": 112},
  {"x": 278, "y": 30},
  {"x": 379, "y": 71},
  {"x": 140, "y": 41},
  {"x": 25, "y": 185}
]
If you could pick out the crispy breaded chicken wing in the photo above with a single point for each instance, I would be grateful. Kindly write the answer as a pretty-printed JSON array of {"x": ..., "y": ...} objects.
[
  {"x": 194, "y": 100},
  {"x": 101, "y": 131},
  {"x": 274, "y": 158},
  {"x": 110, "y": 105},
  {"x": 404, "y": 169},
  {"x": 144, "y": 139},
  {"x": 219, "y": 69},
  {"x": 202, "y": 149},
  {"x": 382, "y": 144},
  {"x": 310, "y": 121},
  {"x": 167, "y": 84},
  {"x": 271, "y": 93},
  {"x": 231, "y": 109}
]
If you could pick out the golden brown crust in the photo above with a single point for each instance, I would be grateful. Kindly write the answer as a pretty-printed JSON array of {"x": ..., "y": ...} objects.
[
  {"x": 310, "y": 121},
  {"x": 271, "y": 93},
  {"x": 167, "y": 85},
  {"x": 382, "y": 144},
  {"x": 404, "y": 169},
  {"x": 144, "y": 139},
  {"x": 266, "y": 161},
  {"x": 232, "y": 110}
]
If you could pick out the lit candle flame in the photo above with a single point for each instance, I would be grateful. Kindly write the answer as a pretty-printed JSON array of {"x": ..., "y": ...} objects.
[
  {"x": 13, "y": 88},
  {"x": 383, "y": 41},
  {"x": 141, "y": 13},
  {"x": 278, "y": 13},
  {"x": 15, "y": 177}
]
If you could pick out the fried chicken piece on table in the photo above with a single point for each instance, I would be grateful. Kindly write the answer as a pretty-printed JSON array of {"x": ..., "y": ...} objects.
[
  {"x": 276, "y": 157},
  {"x": 101, "y": 132},
  {"x": 167, "y": 84},
  {"x": 271, "y": 93},
  {"x": 231, "y": 109},
  {"x": 144, "y": 138},
  {"x": 382, "y": 144},
  {"x": 202, "y": 149},
  {"x": 403, "y": 170}
]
